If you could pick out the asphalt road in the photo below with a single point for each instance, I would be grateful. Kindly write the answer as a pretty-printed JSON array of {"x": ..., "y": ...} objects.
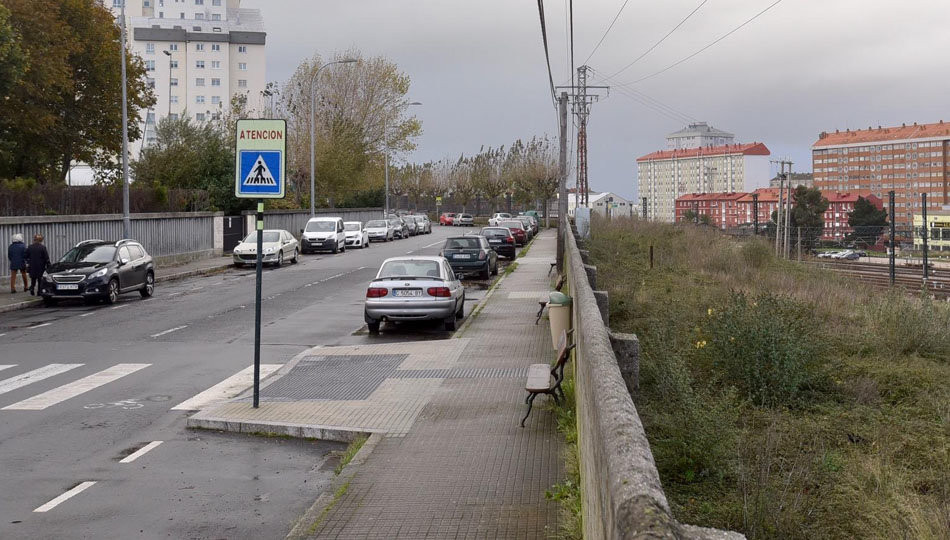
[{"x": 84, "y": 387}]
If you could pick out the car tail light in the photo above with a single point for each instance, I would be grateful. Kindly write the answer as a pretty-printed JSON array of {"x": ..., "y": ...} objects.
[
  {"x": 510, "y": 240},
  {"x": 439, "y": 292},
  {"x": 376, "y": 292},
  {"x": 482, "y": 255}
]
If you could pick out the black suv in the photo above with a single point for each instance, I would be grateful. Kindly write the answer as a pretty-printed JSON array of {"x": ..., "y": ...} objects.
[{"x": 99, "y": 270}]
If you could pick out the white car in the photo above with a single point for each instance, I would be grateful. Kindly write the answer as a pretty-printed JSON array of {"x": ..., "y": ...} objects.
[
  {"x": 380, "y": 230},
  {"x": 323, "y": 234},
  {"x": 279, "y": 246},
  {"x": 414, "y": 288},
  {"x": 356, "y": 235},
  {"x": 498, "y": 218},
  {"x": 463, "y": 220}
]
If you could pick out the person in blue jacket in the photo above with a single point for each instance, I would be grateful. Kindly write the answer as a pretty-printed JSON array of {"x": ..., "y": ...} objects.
[{"x": 16, "y": 254}]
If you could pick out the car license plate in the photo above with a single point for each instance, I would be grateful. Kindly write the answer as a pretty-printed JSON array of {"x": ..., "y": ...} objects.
[
  {"x": 68, "y": 287},
  {"x": 407, "y": 292},
  {"x": 463, "y": 256},
  {"x": 494, "y": 241}
]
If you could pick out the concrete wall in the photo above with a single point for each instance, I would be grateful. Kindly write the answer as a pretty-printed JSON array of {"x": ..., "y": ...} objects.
[{"x": 621, "y": 492}]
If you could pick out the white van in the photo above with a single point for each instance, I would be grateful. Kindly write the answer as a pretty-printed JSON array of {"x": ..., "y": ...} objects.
[{"x": 323, "y": 234}]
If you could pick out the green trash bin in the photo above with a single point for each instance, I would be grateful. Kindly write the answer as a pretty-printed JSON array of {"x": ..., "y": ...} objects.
[{"x": 559, "y": 314}]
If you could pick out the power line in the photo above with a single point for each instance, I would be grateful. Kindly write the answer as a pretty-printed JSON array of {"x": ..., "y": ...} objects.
[
  {"x": 648, "y": 101},
  {"x": 657, "y": 44},
  {"x": 605, "y": 32},
  {"x": 547, "y": 56},
  {"x": 571, "y": 17},
  {"x": 724, "y": 36}
]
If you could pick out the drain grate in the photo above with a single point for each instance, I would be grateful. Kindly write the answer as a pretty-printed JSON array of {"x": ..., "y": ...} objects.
[{"x": 343, "y": 377}]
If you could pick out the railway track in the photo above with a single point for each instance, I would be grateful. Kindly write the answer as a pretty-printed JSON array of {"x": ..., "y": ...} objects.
[{"x": 909, "y": 278}]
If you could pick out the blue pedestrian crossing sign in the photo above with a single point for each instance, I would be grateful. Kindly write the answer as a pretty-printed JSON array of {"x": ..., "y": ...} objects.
[{"x": 260, "y": 152}]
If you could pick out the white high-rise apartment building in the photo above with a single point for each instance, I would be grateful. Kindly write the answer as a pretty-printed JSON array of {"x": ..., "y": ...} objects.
[{"x": 198, "y": 55}]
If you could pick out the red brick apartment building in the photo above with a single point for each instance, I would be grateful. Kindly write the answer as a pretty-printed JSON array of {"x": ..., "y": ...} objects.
[
  {"x": 721, "y": 207},
  {"x": 839, "y": 206},
  {"x": 910, "y": 159}
]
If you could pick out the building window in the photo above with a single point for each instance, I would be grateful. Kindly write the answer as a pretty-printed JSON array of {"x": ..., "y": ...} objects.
[
  {"x": 199, "y": 16},
  {"x": 215, "y": 82},
  {"x": 215, "y": 64},
  {"x": 149, "y": 48},
  {"x": 181, "y": 15},
  {"x": 242, "y": 49},
  {"x": 173, "y": 47},
  {"x": 199, "y": 2},
  {"x": 173, "y": 99},
  {"x": 216, "y": 3},
  {"x": 173, "y": 82},
  {"x": 173, "y": 116},
  {"x": 215, "y": 100},
  {"x": 242, "y": 66},
  {"x": 173, "y": 64},
  {"x": 242, "y": 83},
  {"x": 199, "y": 46},
  {"x": 200, "y": 64},
  {"x": 199, "y": 100},
  {"x": 150, "y": 65},
  {"x": 215, "y": 16},
  {"x": 161, "y": 14},
  {"x": 116, "y": 3},
  {"x": 199, "y": 82},
  {"x": 200, "y": 117},
  {"x": 216, "y": 47}
]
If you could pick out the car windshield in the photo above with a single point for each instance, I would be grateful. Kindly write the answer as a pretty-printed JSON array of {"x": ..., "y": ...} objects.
[
  {"x": 321, "y": 226},
  {"x": 495, "y": 232},
  {"x": 90, "y": 254},
  {"x": 513, "y": 224},
  {"x": 409, "y": 268},
  {"x": 375, "y": 224},
  {"x": 419, "y": 219},
  {"x": 351, "y": 226},
  {"x": 462, "y": 243},
  {"x": 269, "y": 236}
]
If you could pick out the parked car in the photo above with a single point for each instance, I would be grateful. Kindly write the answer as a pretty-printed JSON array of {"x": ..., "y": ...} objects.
[
  {"x": 323, "y": 234},
  {"x": 401, "y": 229},
  {"x": 99, "y": 270},
  {"x": 528, "y": 226},
  {"x": 471, "y": 254},
  {"x": 842, "y": 254},
  {"x": 463, "y": 220},
  {"x": 517, "y": 229},
  {"x": 501, "y": 240},
  {"x": 852, "y": 256},
  {"x": 498, "y": 217},
  {"x": 279, "y": 245},
  {"x": 356, "y": 235},
  {"x": 411, "y": 224},
  {"x": 423, "y": 225},
  {"x": 828, "y": 254},
  {"x": 447, "y": 218},
  {"x": 381, "y": 230},
  {"x": 414, "y": 288}
]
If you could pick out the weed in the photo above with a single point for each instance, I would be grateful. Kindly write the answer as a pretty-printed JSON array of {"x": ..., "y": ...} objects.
[
  {"x": 511, "y": 268},
  {"x": 568, "y": 493},
  {"x": 347, "y": 455}
]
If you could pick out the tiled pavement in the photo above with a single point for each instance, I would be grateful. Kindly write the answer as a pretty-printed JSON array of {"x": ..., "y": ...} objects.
[{"x": 466, "y": 469}]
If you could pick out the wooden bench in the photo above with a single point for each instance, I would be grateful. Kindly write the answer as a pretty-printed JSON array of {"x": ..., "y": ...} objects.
[
  {"x": 545, "y": 378},
  {"x": 543, "y": 301}
]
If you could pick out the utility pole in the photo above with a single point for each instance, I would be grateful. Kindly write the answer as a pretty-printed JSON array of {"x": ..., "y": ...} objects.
[
  {"x": 778, "y": 216},
  {"x": 893, "y": 251},
  {"x": 926, "y": 231},
  {"x": 755, "y": 213},
  {"x": 788, "y": 209},
  {"x": 126, "y": 220},
  {"x": 582, "y": 99},
  {"x": 782, "y": 244},
  {"x": 562, "y": 181}
]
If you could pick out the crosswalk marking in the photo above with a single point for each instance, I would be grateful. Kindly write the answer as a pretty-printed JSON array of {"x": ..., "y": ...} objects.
[
  {"x": 75, "y": 388},
  {"x": 65, "y": 496},
  {"x": 226, "y": 389},
  {"x": 31, "y": 377},
  {"x": 6, "y": 366},
  {"x": 140, "y": 452}
]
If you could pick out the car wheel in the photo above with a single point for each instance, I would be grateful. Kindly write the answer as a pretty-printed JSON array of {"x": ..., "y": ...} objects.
[
  {"x": 461, "y": 310},
  {"x": 449, "y": 324},
  {"x": 113, "y": 293},
  {"x": 280, "y": 258},
  {"x": 336, "y": 247},
  {"x": 373, "y": 327},
  {"x": 296, "y": 255},
  {"x": 365, "y": 245},
  {"x": 494, "y": 271},
  {"x": 486, "y": 273},
  {"x": 149, "y": 288}
]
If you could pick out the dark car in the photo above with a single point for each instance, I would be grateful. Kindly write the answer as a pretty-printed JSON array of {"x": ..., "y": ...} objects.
[
  {"x": 400, "y": 226},
  {"x": 501, "y": 240},
  {"x": 471, "y": 255},
  {"x": 517, "y": 229},
  {"x": 99, "y": 270}
]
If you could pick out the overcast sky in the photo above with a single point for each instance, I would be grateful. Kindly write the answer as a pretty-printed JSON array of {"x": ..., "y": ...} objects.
[{"x": 478, "y": 68}]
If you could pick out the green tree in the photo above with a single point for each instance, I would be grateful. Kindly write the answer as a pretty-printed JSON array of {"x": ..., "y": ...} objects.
[
  {"x": 690, "y": 216},
  {"x": 67, "y": 104},
  {"x": 867, "y": 222},
  {"x": 13, "y": 60},
  {"x": 809, "y": 214}
]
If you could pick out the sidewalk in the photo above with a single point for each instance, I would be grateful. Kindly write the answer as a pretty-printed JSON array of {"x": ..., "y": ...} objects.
[
  {"x": 22, "y": 300},
  {"x": 449, "y": 459}
]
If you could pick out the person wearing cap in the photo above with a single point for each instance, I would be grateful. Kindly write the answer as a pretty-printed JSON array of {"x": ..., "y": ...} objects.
[
  {"x": 16, "y": 254},
  {"x": 37, "y": 259}
]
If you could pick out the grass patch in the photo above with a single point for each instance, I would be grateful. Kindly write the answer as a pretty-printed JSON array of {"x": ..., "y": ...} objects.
[
  {"x": 782, "y": 401},
  {"x": 347, "y": 456},
  {"x": 568, "y": 493},
  {"x": 337, "y": 495},
  {"x": 511, "y": 268}
]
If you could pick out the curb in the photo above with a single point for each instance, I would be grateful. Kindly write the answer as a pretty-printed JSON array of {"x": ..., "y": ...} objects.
[
  {"x": 158, "y": 279},
  {"x": 317, "y": 511},
  {"x": 300, "y": 431}
]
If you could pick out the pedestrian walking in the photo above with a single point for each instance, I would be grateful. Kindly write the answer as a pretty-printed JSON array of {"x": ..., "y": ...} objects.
[
  {"x": 37, "y": 260},
  {"x": 16, "y": 254}
]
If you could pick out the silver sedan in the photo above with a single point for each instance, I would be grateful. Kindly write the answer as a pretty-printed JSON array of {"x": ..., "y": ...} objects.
[{"x": 414, "y": 289}]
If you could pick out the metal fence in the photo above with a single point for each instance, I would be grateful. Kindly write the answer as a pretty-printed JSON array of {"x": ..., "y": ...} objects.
[
  {"x": 294, "y": 220},
  {"x": 178, "y": 234}
]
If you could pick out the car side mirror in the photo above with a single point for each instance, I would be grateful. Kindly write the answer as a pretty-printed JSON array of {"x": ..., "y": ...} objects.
[
  {"x": 123, "y": 261},
  {"x": 301, "y": 232}
]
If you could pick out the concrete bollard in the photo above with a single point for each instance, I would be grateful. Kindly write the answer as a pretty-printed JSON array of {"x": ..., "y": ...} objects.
[
  {"x": 591, "y": 275},
  {"x": 603, "y": 303},
  {"x": 585, "y": 255},
  {"x": 627, "y": 349}
]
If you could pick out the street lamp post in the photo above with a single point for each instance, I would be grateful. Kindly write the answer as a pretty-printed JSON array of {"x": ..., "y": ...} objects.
[
  {"x": 126, "y": 221},
  {"x": 313, "y": 142},
  {"x": 169, "y": 55},
  {"x": 386, "y": 163}
]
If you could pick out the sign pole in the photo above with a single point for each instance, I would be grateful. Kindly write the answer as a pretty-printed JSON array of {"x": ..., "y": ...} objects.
[{"x": 257, "y": 303}]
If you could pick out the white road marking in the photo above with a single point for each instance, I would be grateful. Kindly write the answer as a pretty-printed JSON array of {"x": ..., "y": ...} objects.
[
  {"x": 169, "y": 331},
  {"x": 65, "y": 496},
  {"x": 226, "y": 389},
  {"x": 75, "y": 388},
  {"x": 6, "y": 366},
  {"x": 433, "y": 244},
  {"x": 30, "y": 377},
  {"x": 88, "y": 314},
  {"x": 140, "y": 452},
  {"x": 120, "y": 307},
  {"x": 409, "y": 253},
  {"x": 40, "y": 325},
  {"x": 1, "y": 335}
]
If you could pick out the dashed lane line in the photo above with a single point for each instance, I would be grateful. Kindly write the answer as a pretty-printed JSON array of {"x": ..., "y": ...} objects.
[
  {"x": 169, "y": 331},
  {"x": 31, "y": 377},
  {"x": 65, "y": 497},
  {"x": 39, "y": 326},
  {"x": 140, "y": 452}
]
